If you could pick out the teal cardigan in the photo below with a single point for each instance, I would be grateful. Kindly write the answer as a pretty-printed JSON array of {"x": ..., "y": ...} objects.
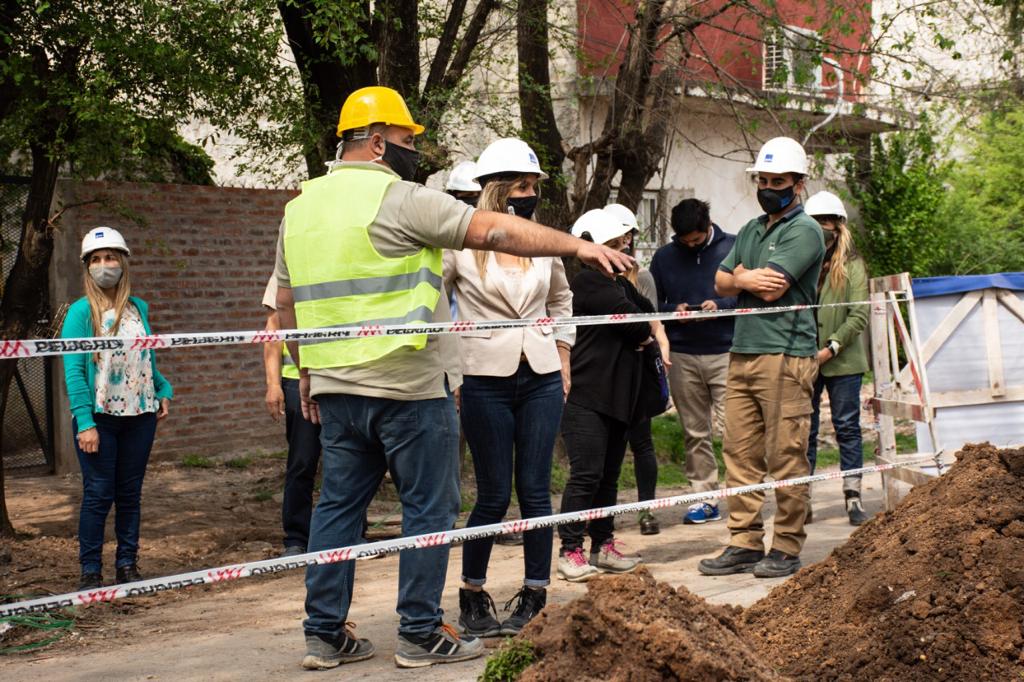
[{"x": 80, "y": 369}]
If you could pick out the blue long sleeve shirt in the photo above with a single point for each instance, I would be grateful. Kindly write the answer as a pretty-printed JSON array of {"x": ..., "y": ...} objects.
[{"x": 684, "y": 275}]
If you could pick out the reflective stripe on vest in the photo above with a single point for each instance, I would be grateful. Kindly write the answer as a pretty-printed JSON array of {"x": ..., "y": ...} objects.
[
  {"x": 339, "y": 279},
  {"x": 288, "y": 368}
]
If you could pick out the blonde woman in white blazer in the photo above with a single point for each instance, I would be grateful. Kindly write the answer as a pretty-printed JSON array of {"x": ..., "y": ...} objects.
[{"x": 513, "y": 390}]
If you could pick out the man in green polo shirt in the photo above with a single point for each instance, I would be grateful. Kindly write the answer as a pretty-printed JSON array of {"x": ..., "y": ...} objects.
[{"x": 775, "y": 261}]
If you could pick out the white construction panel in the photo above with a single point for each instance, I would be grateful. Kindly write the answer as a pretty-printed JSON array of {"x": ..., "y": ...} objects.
[{"x": 961, "y": 364}]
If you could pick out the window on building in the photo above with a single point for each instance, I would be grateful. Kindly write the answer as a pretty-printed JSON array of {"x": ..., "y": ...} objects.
[{"x": 791, "y": 59}]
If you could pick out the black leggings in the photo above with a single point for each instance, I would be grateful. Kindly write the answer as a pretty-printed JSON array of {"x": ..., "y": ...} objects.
[{"x": 645, "y": 462}]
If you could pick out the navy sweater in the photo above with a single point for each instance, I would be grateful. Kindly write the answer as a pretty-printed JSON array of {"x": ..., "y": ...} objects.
[{"x": 685, "y": 275}]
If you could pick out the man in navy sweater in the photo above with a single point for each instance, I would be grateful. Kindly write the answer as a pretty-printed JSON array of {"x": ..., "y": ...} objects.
[{"x": 684, "y": 273}]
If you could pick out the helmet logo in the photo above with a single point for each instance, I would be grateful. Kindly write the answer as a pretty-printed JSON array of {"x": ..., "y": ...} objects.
[
  {"x": 533, "y": 158},
  {"x": 768, "y": 158},
  {"x": 98, "y": 234}
]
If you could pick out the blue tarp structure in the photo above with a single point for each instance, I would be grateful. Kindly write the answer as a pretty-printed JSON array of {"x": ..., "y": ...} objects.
[{"x": 943, "y": 286}]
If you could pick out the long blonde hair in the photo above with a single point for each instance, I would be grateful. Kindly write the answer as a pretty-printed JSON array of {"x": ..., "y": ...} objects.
[
  {"x": 100, "y": 303},
  {"x": 494, "y": 197},
  {"x": 843, "y": 252}
]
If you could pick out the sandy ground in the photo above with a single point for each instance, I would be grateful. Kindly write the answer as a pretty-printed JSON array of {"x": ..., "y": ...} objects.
[{"x": 252, "y": 629}]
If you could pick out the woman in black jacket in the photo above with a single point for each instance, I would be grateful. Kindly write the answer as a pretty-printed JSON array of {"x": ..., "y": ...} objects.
[{"x": 607, "y": 365}]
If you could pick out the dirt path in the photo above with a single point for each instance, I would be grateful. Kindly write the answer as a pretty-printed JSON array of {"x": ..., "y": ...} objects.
[{"x": 252, "y": 629}]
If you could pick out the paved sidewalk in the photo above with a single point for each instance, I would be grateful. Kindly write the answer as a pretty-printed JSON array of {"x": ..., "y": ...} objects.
[{"x": 253, "y": 630}]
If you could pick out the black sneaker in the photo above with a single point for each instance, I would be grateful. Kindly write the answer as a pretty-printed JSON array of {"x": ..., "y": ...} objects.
[
  {"x": 478, "y": 614},
  {"x": 731, "y": 560},
  {"x": 777, "y": 565},
  {"x": 443, "y": 645},
  {"x": 530, "y": 602},
  {"x": 855, "y": 510},
  {"x": 648, "y": 524},
  {"x": 324, "y": 653},
  {"x": 90, "y": 581},
  {"x": 128, "y": 574}
]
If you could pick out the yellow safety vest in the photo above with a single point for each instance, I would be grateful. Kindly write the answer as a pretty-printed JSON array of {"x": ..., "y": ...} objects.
[
  {"x": 339, "y": 279},
  {"x": 288, "y": 368}
]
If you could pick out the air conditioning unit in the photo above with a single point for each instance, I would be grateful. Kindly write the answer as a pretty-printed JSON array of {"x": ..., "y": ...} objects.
[{"x": 791, "y": 60}]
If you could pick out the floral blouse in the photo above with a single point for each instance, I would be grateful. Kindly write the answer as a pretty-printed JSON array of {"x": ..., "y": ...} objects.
[{"x": 124, "y": 378}]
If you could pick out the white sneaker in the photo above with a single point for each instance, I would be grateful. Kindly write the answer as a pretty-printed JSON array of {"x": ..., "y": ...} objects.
[
  {"x": 575, "y": 568},
  {"x": 610, "y": 560}
]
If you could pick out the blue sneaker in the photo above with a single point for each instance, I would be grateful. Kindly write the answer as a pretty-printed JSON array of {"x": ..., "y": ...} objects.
[{"x": 702, "y": 512}]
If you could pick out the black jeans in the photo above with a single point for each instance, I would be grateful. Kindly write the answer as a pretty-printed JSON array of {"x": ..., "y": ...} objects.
[
  {"x": 300, "y": 472},
  {"x": 596, "y": 445},
  {"x": 645, "y": 461}
]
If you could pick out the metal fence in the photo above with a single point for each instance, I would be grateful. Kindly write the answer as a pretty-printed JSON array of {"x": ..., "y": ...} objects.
[{"x": 28, "y": 419}]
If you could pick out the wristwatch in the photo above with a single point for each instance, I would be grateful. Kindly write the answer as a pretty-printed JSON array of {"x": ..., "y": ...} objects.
[{"x": 834, "y": 346}]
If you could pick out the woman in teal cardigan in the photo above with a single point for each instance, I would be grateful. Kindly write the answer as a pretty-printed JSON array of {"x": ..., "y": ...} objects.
[
  {"x": 843, "y": 358},
  {"x": 116, "y": 399}
]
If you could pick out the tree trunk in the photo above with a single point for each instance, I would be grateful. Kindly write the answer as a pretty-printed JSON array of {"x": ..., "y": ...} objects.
[
  {"x": 26, "y": 285},
  {"x": 326, "y": 81},
  {"x": 537, "y": 112},
  {"x": 398, "y": 48}
]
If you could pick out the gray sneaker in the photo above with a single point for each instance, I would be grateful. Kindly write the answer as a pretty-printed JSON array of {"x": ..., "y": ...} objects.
[
  {"x": 323, "y": 653},
  {"x": 610, "y": 560},
  {"x": 443, "y": 645}
]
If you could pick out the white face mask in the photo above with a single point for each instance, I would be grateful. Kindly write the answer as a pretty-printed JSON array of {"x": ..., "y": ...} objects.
[{"x": 104, "y": 276}]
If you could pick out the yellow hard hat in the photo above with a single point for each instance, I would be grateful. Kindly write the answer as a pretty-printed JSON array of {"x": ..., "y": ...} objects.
[{"x": 376, "y": 104}]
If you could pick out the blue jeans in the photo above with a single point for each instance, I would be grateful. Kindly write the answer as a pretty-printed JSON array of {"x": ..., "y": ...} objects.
[
  {"x": 844, "y": 400},
  {"x": 511, "y": 424},
  {"x": 418, "y": 441},
  {"x": 113, "y": 476},
  {"x": 300, "y": 471}
]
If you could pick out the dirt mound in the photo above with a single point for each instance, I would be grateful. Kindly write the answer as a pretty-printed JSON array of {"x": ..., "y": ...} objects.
[
  {"x": 632, "y": 627},
  {"x": 931, "y": 591}
]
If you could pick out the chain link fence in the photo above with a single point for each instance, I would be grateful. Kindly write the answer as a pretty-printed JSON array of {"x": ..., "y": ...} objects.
[{"x": 28, "y": 419}]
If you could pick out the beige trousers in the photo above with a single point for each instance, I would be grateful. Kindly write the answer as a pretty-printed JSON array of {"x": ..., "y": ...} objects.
[
  {"x": 767, "y": 422},
  {"x": 697, "y": 383}
]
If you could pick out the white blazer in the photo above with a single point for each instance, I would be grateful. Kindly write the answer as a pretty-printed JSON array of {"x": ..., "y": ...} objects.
[{"x": 545, "y": 293}]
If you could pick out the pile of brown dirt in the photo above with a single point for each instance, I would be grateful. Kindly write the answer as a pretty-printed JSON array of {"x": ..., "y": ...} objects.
[
  {"x": 632, "y": 627},
  {"x": 931, "y": 591}
]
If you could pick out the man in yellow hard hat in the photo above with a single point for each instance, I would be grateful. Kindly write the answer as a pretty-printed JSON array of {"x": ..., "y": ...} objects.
[{"x": 362, "y": 245}]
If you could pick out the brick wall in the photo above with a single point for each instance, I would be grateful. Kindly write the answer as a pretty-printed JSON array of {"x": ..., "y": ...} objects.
[{"x": 201, "y": 257}]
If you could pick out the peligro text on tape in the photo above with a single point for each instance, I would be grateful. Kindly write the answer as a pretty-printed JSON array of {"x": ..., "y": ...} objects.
[
  {"x": 27, "y": 348},
  {"x": 442, "y": 537}
]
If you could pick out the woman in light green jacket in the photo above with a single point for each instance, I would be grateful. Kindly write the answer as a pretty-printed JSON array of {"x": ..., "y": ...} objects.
[{"x": 842, "y": 358}]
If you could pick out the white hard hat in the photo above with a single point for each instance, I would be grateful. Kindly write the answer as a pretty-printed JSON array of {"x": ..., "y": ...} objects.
[
  {"x": 601, "y": 224},
  {"x": 781, "y": 155},
  {"x": 462, "y": 178},
  {"x": 507, "y": 155},
  {"x": 627, "y": 217},
  {"x": 103, "y": 238},
  {"x": 825, "y": 203}
]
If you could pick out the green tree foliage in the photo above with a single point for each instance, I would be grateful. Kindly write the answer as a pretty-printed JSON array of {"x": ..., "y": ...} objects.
[
  {"x": 924, "y": 214},
  {"x": 987, "y": 200},
  {"x": 900, "y": 191}
]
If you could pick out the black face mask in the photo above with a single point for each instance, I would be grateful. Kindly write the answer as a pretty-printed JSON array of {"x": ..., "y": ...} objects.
[
  {"x": 774, "y": 201},
  {"x": 524, "y": 206},
  {"x": 402, "y": 160}
]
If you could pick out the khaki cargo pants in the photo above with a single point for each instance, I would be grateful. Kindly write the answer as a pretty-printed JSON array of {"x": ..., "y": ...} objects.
[{"x": 767, "y": 422}]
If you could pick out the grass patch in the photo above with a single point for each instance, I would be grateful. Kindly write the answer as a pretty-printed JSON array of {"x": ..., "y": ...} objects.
[
  {"x": 238, "y": 462},
  {"x": 263, "y": 496},
  {"x": 468, "y": 495},
  {"x": 197, "y": 462},
  {"x": 509, "y": 662},
  {"x": 279, "y": 454},
  {"x": 559, "y": 477}
]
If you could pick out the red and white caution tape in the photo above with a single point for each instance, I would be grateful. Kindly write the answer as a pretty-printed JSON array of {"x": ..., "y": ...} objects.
[
  {"x": 45, "y": 347},
  {"x": 372, "y": 549}
]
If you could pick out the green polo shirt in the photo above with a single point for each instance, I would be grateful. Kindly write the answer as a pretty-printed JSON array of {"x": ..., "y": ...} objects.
[{"x": 795, "y": 247}]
